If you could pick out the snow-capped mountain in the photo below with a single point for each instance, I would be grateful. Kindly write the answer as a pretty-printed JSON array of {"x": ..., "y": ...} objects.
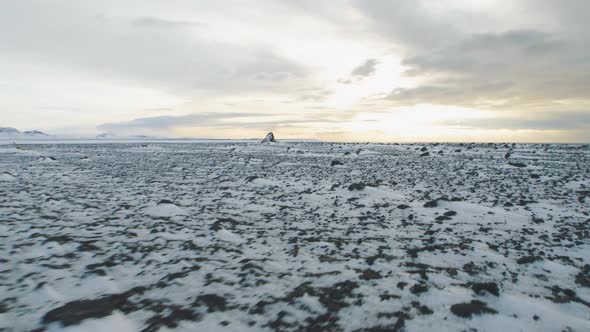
[
  {"x": 113, "y": 136},
  {"x": 13, "y": 133}
]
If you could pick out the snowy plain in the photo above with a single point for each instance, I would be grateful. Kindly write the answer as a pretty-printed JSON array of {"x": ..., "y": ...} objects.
[{"x": 294, "y": 236}]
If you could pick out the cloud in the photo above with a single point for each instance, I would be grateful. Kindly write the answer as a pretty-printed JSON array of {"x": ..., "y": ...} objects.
[
  {"x": 313, "y": 94},
  {"x": 487, "y": 56},
  {"x": 568, "y": 120},
  {"x": 521, "y": 58},
  {"x": 516, "y": 68},
  {"x": 155, "y": 22},
  {"x": 170, "y": 122},
  {"x": 490, "y": 52},
  {"x": 408, "y": 23},
  {"x": 221, "y": 120},
  {"x": 360, "y": 72},
  {"x": 366, "y": 69},
  {"x": 147, "y": 50}
]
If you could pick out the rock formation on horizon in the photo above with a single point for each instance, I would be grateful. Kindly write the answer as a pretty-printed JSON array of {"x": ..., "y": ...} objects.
[{"x": 270, "y": 137}]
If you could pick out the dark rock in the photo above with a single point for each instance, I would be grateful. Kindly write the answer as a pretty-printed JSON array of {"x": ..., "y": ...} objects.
[
  {"x": 213, "y": 302},
  {"x": 252, "y": 178},
  {"x": 582, "y": 194},
  {"x": 419, "y": 288},
  {"x": 490, "y": 287},
  {"x": 219, "y": 224},
  {"x": 471, "y": 269},
  {"x": 171, "y": 319},
  {"x": 425, "y": 154},
  {"x": 422, "y": 309},
  {"x": 370, "y": 274},
  {"x": 74, "y": 312},
  {"x": 385, "y": 297},
  {"x": 520, "y": 165},
  {"x": 336, "y": 163},
  {"x": 565, "y": 295},
  {"x": 442, "y": 218},
  {"x": 270, "y": 137},
  {"x": 403, "y": 206},
  {"x": 431, "y": 204},
  {"x": 61, "y": 239},
  {"x": 528, "y": 259},
  {"x": 475, "y": 307},
  {"x": 356, "y": 186},
  {"x": 583, "y": 277},
  {"x": 333, "y": 297}
]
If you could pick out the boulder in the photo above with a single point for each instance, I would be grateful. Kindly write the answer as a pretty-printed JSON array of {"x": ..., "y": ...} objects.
[{"x": 270, "y": 137}]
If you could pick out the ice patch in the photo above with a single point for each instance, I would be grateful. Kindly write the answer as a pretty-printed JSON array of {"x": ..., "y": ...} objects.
[
  {"x": 165, "y": 210},
  {"x": 228, "y": 236}
]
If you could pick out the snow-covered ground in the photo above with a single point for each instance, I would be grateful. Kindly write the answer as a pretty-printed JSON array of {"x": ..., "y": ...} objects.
[{"x": 294, "y": 237}]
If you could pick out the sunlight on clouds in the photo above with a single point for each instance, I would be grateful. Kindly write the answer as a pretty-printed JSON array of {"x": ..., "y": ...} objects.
[
  {"x": 420, "y": 121},
  {"x": 388, "y": 75}
]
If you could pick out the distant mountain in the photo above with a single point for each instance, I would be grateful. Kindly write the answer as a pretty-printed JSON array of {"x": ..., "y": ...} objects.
[
  {"x": 8, "y": 130},
  {"x": 35, "y": 132},
  {"x": 112, "y": 136},
  {"x": 9, "y": 133},
  {"x": 104, "y": 136},
  {"x": 13, "y": 133}
]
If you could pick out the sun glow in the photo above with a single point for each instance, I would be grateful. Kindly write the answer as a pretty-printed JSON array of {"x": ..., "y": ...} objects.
[{"x": 420, "y": 122}]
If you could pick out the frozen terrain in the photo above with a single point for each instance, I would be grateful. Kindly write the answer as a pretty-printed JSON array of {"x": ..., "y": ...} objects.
[{"x": 294, "y": 237}]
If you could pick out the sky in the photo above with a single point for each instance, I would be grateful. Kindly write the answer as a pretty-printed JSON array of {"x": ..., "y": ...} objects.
[{"x": 334, "y": 70}]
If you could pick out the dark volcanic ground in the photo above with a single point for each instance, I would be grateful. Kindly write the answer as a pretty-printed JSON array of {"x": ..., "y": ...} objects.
[{"x": 295, "y": 237}]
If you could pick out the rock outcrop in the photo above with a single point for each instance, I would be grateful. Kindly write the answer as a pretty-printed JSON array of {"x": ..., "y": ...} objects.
[{"x": 270, "y": 137}]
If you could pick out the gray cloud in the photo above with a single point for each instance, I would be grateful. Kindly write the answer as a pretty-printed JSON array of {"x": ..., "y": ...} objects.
[
  {"x": 148, "y": 50},
  {"x": 225, "y": 120},
  {"x": 408, "y": 22},
  {"x": 366, "y": 69},
  {"x": 509, "y": 69},
  {"x": 169, "y": 122},
  {"x": 360, "y": 72},
  {"x": 487, "y": 53}
]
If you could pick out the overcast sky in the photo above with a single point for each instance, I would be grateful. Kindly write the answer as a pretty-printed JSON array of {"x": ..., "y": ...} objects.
[{"x": 357, "y": 70}]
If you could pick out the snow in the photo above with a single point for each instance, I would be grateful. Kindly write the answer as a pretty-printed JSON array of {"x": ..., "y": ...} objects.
[
  {"x": 164, "y": 210},
  {"x": 5, "y": 176},
  {"x": 115, "y": 322},
  {"x": 243, "y": 236}
]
